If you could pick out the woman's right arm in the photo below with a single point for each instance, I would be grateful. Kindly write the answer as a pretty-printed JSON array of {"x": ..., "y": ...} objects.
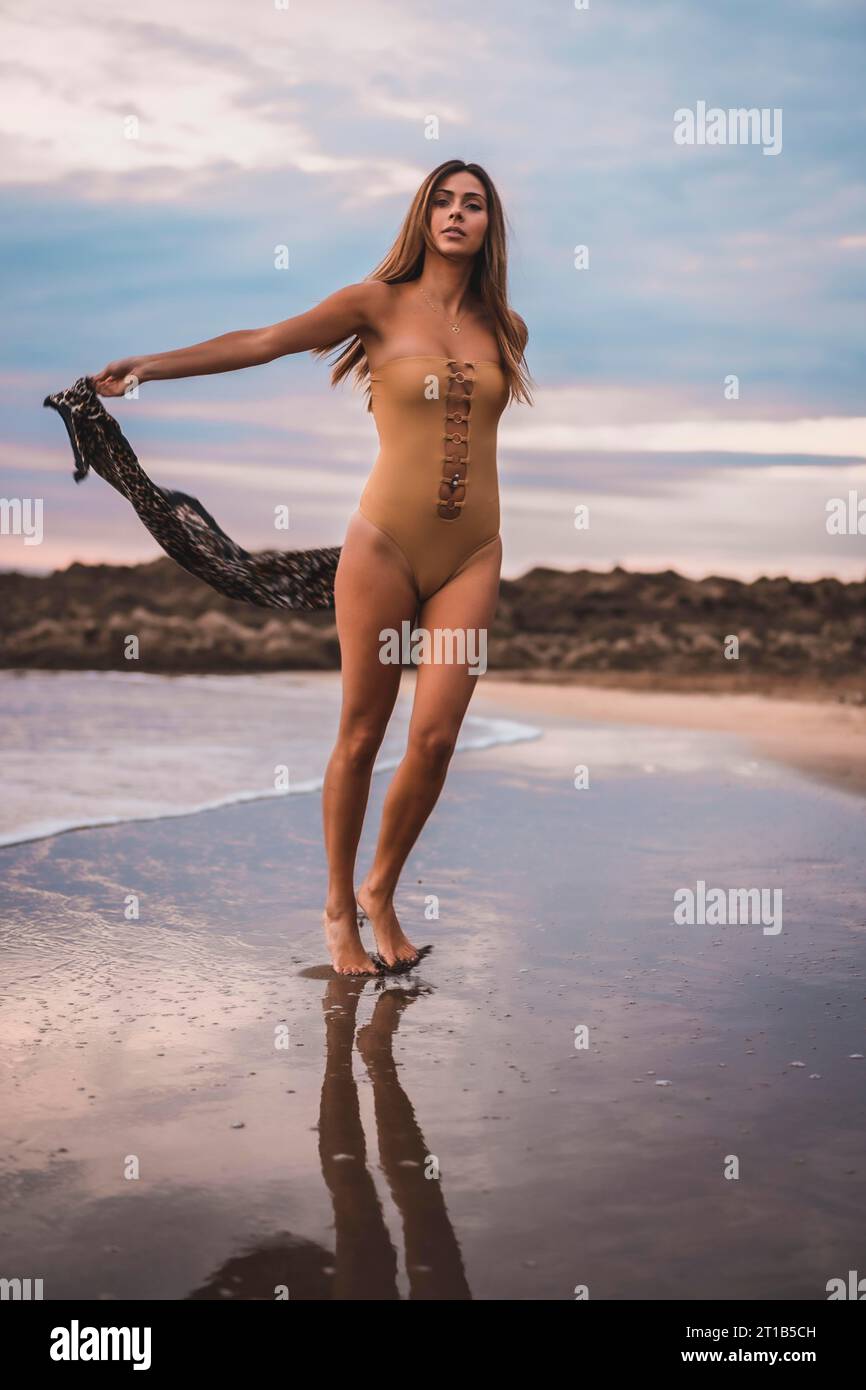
[{"x": 343, "y": 313}]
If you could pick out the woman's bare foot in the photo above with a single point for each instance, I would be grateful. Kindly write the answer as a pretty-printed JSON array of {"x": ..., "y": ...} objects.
[
  {"x": 345, "y": 947},
  {"x": 393, "y": 945}
]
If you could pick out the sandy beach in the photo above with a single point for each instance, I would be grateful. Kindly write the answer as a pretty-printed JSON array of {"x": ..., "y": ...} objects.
[
  {"x": 196, "y": 1108},
  {"x": 819, "y": 732}
]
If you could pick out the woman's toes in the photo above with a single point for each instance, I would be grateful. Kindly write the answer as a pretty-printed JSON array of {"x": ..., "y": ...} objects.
[{"x": 345, "y": 947}]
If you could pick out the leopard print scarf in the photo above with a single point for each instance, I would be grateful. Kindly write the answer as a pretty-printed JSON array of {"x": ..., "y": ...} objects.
[{"x": 271, "y": 578}]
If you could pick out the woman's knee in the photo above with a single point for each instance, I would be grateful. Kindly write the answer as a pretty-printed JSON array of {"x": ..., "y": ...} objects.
[
  {"x": 360, "y": 742},
  {"x": 433, "y": 746}
]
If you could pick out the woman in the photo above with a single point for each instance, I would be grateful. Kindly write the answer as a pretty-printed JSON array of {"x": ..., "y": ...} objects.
[{"x": 424, "y": 544}]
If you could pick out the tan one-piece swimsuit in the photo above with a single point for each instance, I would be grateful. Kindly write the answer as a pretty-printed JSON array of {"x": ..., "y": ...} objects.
[{"x": 434, "y": 488}]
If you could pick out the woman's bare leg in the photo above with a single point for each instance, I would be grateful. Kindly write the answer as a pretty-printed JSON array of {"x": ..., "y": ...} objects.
[
  {"x": 442, "y": 694},
  {"x": 373, "y": 589}
]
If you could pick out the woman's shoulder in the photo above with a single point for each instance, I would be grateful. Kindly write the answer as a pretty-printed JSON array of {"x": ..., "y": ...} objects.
[
  {"x": 378, "y": 292},
  {"x": 377, "y": 301}
]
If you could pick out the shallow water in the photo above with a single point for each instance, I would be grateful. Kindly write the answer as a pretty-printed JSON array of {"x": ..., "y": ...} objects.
[
  {"x": 557, "y": 1167},
  {"x": 84, "y": 748}
]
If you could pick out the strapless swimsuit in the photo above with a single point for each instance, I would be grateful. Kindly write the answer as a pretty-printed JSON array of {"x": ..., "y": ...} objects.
[{"x": 434, "y": 488}]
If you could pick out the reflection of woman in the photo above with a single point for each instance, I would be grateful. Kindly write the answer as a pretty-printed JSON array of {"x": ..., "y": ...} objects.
[
  {"x": 363, "y": 1264},
  {"x": 425, "y": 541}
]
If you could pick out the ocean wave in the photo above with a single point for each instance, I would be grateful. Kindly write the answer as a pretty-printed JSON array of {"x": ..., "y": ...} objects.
[{"x": 162, "y": 755}]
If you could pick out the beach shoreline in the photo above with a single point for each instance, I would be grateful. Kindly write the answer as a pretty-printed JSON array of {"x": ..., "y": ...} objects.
[
  {"x": 284, "y": 1119},
  {"x": 812, "y": 730},
  {"x": 842, "y": 689}
]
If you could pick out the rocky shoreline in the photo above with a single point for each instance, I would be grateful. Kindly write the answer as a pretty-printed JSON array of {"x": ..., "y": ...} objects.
[{"x": 612, "y": 626}]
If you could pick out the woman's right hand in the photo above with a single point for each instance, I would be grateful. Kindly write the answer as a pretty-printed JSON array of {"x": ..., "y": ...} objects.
[{"x": 118, "y": 376}]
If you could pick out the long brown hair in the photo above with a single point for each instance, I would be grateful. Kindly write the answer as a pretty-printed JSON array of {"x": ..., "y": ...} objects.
[{"x": 488, "y": 281}]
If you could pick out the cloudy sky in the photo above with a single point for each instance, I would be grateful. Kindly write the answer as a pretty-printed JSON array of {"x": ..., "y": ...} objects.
[{"x": 305, "y": 125}]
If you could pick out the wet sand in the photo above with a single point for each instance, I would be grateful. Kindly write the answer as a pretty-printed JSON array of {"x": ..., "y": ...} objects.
[
  {"x": 441, "y": 1136},
  {"x": 822, "y": 737}
]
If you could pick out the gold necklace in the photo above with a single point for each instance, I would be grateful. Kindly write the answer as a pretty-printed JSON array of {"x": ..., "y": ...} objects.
[{"x": 455, "y": 326}]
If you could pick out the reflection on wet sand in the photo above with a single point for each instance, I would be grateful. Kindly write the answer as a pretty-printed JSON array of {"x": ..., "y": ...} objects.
[
  {"x": 156, "y": 1038},
  {"x": 364, "y": 1263}
]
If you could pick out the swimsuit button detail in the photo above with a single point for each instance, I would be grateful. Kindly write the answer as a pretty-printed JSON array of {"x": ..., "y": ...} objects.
[
  {"x": 458, "y": 404},
  {"x": 448, "y": 489}
]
